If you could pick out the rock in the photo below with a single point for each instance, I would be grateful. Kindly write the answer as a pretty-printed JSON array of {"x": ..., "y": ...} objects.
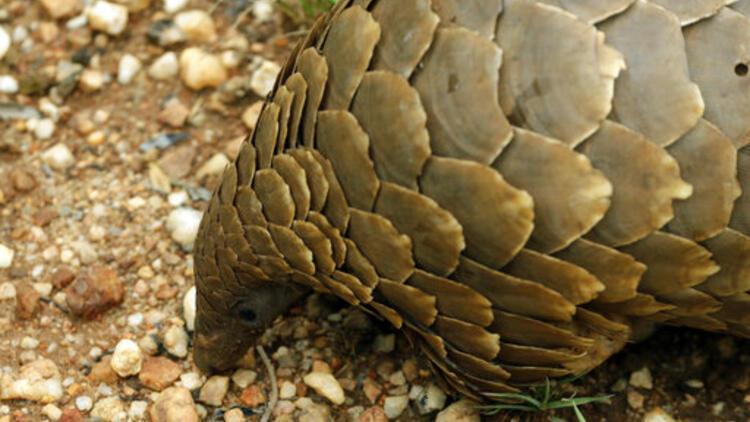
[
  {"x": 373, "y": 414},
  {"x": 4, "y": 42},
  {"x": 127, "y": 359},
  {"x": 182, "y": 225},
  {"x": 635, "y": 400},
  {"x": 108, "y": 17},
  {"x": 92, "y": 80},
  {"x": 135, "y": 5},
  {"x": 264, "y": 78},
  {"x": 172, "y": 6},
  {"x": 102, "y": 372},
  {"x": 128, "y": 68},
  {"x": 177, "y": 162},
  {"x": 234, "y": 415},
  {"x": 137, "y": 410},
  {"x": 176, "y": 341},
  {"x": 62, "y": 277},
  {"x": 110, "y": 409},
  {"x": 164, "y": 67},
  {"x": 641, "y": 379},
  {"x": 657, "y": 415},
  {"x": 36, "y": 381},
  {"x": 29, "y": 343},
  {"x": 7, "y": 291},
  {"x": 397, "y": 378},
  {"x": 262, "y": 10},
  {"x": 6, "y": 256},
  {"x": 199, "y": 69},
  {"x": 371, "y": 389},
  {"x": 159, "y": 373},
  {"x": 22, "y": 180},
  {"x": 58, "y": 157},
  {"x": 191, "y": 380},
  {"x": 325, "y": 385},
  {"x": 252, "y": 396},
  {"x": 27, "y": 300},
  {"x": 197, "y": 25},
  {"x": 52, "y": 412},
  {"x": 251, "y": 114},
  {"x": 460, "y": 411},
  {"x": 189, "y": 308},
  {"x": 62, "y": 8},
  {"x": 432, "y": 398},
  {"x": 84, "y": 403},
  {"x": 213, "y": 391},
  {"x": 287, "y": 390},
  {"x": 71, "y": 414},
  {"x": 394, "y": 406},
  {"x": 174, "y": 113},
  {"x": 213, "y": 167},
  {"x": 94, "y": 292},
  {"x": 244, "y": 377},
  {"x": 384, "y": 343},
  {"x": 8, "y": 84},
  {"x": 174, "y": 404},
  {"x": 44, "y": 128}
]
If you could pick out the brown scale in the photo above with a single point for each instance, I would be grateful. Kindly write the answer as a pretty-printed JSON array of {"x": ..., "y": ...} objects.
[{"x": 520, "y": 187}]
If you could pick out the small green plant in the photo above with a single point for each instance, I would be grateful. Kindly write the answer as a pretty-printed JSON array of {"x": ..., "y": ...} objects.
[
  {"x": 540, "y": 399},
  {"x": 301, "y": 11}
]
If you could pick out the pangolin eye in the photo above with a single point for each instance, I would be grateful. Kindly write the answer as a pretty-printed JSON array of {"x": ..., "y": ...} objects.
[{"x": 247, "y": 314}]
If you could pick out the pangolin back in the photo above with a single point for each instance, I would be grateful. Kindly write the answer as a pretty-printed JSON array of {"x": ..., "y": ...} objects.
[{"x": 511, "y": 183}]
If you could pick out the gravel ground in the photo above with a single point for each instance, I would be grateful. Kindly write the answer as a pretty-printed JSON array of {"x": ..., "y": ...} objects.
[{"x": 117, "y": 120}]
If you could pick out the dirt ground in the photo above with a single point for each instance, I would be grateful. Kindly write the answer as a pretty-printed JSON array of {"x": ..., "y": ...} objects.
[{"x": 92, "y": 260}]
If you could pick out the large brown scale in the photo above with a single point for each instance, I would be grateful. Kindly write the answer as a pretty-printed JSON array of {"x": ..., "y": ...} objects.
[{"x": 513, "y": 184}]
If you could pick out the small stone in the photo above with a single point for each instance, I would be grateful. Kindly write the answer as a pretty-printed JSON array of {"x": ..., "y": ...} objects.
[
  {"x": 44, "y": 289},
  {"x": 4, "y": 42},
  {"x": 197, "y": 25},
  {"x": 62, "y": 8},
  {"x": 58, "y": 157},
  {"x": 176, "y": 341},
  {"x": 182, "y": 225},
  {"x": 159, "y": 373},
  {"x": 102, "y": 372},
  {"x": 431, "y": 399},
  {"x": 262, "y": 10},
  {"x": 252, "y": 396},
  {"x": 52, "y": 412},
  {"x": 94, "y": 292},
  {"x": 397, "y": 378},
  {"x": 84, "y": 403},
  {"x": 8, "y": 84},
  {"x": 199, "y": 69},
  {"x": 371, "y": 389},
  {"x": 191, "y": 380},
  {"x": 325, "y": 385},
  {"x": 213, "y": 391},
  {"x": 174, "y": 404},
  {"x": 44, "y": 129},
  {"x": 128, "y": 68},
  {"x": 29, "y": 343},
  {"x": 7, "y": 291},
  {"x": 213, "y": 167},
  {"x": 62, "y": 277},
  {"x": 694, "y": 384},
  {"x": 287, "y": 390},
  {"x": 172, "y": 6},
  {"x": 6, "y": 256},
  {"x": 641, "y": 379},
  {"x": 373, "y": 414},
  {"x": 108, "y": 17},
  {"x": 264, "y": 78},
  {"x": 234, "y": 415},
  {"x": 460, "y": 411},
  {"x": 657, "y": 415},
  {"x": 110, "y": 409},
  {"x": 394, "y": 406},
  {"x": 137, "y": 410},
  {"x": 384, "y": 343},
  {"x": 71, "y": 414},
  {"x": 244, "y": 377},
  {"x": 164, "y": 67},
  {"x": 177, "y": 162},
  {"x": 127, "y": 359},
  {"x": 91, "y": 80},
  {"x": 251, "y": 114},
  {"x": 174, "y": 113},
  {"x": 37, "y": 381},
  {"x": 27, "y": 300},
  {"x": 189, "y": 308},
  {"x": 635, "y": 400}
]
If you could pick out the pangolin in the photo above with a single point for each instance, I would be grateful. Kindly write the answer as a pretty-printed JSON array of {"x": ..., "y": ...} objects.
[{"x": 515, "y": 185}]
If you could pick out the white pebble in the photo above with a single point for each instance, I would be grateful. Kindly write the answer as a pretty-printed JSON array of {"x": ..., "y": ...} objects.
[
  {"x": 92, "y": 80},
  {"x": 29, "y": 343},
  {"x": 264, "y": 78},
  {"x": 137, "y": 410},
  {"x": 44, "y": 289},
  {"x": 44, "y": 129},
  {"x": 178, "y": 198},
  {"x": 432, "y": 398},
  {"x": 244, "y": 377},
  {"x": 262, "y": 10},
  {"x": 182, "y": 225},
  {"x": 164, "y": 67},
  {"x": 200, "y": 69},
  {"x": 176, "y": 341},
  {"x": 7, "y": 291},
  {"x": 191, "y": 380},
  {"x": 326, "y": 385},
  {"x": 84, "y": 403},
  {"x": 58, "y": 157},
  {"x": 8, "y": 84},
  {"x": 641, "y": 379},
  {"x": 4, "y": 42},
  {"x": 108, "y": 17},
  {"x": 128, "y": 67},
  {"x": 52, "y": 412},
  {"x": 394, "y": 406},
  {"x": 287, "y": 390},
  {"x": 77, "y": 22},
  {"x": 38, "y": 381},
  {"x": 127, "y": 358},
  {"x": 172, "y": 6},
  {"x": 6, "y": 256},
  {"x": 197, "y": 25},
  {"x": 135, "y": 320},
  {"x": 95, "y": 352},
  {"x": 188, "y": 308}
]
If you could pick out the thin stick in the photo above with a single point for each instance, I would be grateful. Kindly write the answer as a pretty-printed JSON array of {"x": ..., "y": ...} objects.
[
  {"x": 241, "y": 17},
  {"x": 274, "y": 388}
]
